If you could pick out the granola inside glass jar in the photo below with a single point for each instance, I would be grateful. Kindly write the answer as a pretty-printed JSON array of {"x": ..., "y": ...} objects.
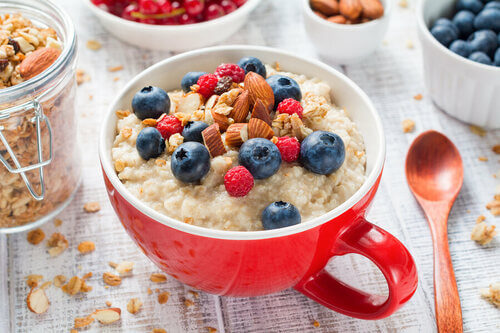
[{"x": 39, "y": 156}]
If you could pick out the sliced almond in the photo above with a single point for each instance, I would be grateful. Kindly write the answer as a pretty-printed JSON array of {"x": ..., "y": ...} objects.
[
  {"x": 190, "y": 102},
  {"x": 212, "y": 101},
  {"x": 221, "y": 120},
  {"x": 107, "y": 316},
  {"x": 241, "y": 107},
  {"x": 258, "y": 88},
  {"x": 236, "y": 134},
  {"x": 213, "y": 140},
  {"x": 260, "y": 112},
  {"x": 37, "y": 301},
  {"x": 259, "y": 129}
]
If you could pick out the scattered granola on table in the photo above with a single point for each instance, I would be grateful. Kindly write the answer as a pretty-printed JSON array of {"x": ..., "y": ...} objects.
[
  {"x": 482, "y": 232},
  {"x": 408, "y": 125},
  {"x": 57, "y": 244},
  {"x": 492, "y": 293},
  {"x": 35, "y": 236},
  {"x": 92, "y": 207}
]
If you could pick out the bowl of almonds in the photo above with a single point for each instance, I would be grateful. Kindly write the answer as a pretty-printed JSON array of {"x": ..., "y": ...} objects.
[{"x": 346, "y": 31}]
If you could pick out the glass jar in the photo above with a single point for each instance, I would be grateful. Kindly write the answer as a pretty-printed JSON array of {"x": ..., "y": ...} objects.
[{"x": 39, "y": 156}]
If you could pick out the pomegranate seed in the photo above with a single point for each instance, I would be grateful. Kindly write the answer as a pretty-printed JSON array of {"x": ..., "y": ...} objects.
[
  {"x": 186, "y": 19},
  {"x": 148, "y": 7},
  {"x": 165, "y": 6},
  {"x": 104, "y": 7},
  {"x": 194, "y": 7},
  {"x": 127, "y": 12},
  {"x": 228, "y": 6},
  {"x": 239, "y": 3},
  {"x": 176, "y": 5},
  {"x": 213, "y": 11}
]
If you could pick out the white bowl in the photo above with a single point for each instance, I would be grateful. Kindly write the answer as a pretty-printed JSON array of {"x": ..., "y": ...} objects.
[
  {"x": 465, "y": 89},
  {"x": 168, "y": 73},
  {"x": 174, "y": 37},
  {"x": 345, "y": 43}
]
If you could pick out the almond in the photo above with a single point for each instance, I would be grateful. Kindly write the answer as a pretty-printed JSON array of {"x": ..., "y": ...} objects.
[
  {"x": 259, "y": 129},
  {"x": 37, "y": 301},
  {"x": 213, "y": 140},
  {"x": 351, "y": 9},
  {"x": 323, "y": 16},
  {"x": 190, "y": 102},
  {"x": 258, "y": 88},
  {"x": 372, "y": 9},
  {"x": 236, "y": 134},
  {"x": 339, "y": 19},
  {"x": 221, "y": 120},
  {"x": 326, "y": 7},
  {"x": 241, "y": 107},
  {"x": 38, "y": 61},
  {"x": 107, "y": 316},
  {"x": 260, "y": 112}
]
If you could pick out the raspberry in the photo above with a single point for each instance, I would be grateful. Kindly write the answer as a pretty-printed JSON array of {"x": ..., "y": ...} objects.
[
  {"x": 290, "y": 106},
  {"x": 234, "y": 71},
  {"x": 169, "y": 125},
  {"x": 207, "y": 84},
  {"x": 289, "y": 148},
  {"x": 238, "y": 181}
]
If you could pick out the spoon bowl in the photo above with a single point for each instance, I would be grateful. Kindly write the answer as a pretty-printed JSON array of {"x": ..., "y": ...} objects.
[{"x": 434, "y": 167}]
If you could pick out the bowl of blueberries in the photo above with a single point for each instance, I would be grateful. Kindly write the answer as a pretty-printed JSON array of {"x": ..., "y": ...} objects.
[{"x": 461, "y": 55}]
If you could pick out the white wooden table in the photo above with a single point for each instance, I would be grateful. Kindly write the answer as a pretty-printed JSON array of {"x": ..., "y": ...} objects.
[{"x": 391, "y": 77}]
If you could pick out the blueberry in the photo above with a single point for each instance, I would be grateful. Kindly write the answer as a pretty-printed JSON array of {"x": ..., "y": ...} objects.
[
  {"x": 444, "y": 34},
  {"x": 498, "y": 39},
  {"x": 497, "y": 58},
  {"x": 280, "y": 214},
  {"x": 474, "y": 6},
  {"x": 461, "y": 47},
  {"x": 488, "y": 19},
  {"x": 446, "y": 22},
  {"x": 150, "y": 102},
  {"x": 283, "y": 88},
  {"x": 322, "y": 152},
  {"x": 492, "y": 4},
  {"x": 252, "y": 64},
  {"x": 190, "y": 162},
  {"x": 261, "y": 157},
  {"x": 480, "y": 57},
  {"x": 149, "y": 143},
  {"x": 189, "y": 79},
  {"x": 464, "y": 20},
  {"x": 484, "y": 41},
  {"x": 192, "y": 131}
]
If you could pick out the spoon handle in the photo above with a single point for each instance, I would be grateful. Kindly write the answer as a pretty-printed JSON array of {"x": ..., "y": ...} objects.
[{"x": 446, "y": 299}]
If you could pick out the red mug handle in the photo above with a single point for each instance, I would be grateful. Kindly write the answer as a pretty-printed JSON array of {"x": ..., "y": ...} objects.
[{"x": 391, "y": 257}]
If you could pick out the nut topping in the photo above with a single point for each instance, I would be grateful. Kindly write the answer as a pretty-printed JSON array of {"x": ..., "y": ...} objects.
[
  {"x": 258, "y": 88},
  {"x": 213, "y": 140}
]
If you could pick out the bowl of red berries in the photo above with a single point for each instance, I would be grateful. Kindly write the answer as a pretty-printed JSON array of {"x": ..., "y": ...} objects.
[{"x": 172, "y": 25}]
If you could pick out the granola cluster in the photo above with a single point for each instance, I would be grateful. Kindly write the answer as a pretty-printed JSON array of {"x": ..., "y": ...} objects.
[{"x": 18, "y": 38}]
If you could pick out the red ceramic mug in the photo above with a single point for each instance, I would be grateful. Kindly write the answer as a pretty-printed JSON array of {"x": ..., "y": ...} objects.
[{"x": 262, "y": 262}]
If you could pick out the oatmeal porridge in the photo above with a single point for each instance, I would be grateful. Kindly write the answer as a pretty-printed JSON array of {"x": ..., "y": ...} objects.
[{"x": 232, "y": 194}]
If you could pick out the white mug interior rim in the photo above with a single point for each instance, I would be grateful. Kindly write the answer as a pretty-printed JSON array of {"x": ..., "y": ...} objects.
[{"x": 108, "y": 132}]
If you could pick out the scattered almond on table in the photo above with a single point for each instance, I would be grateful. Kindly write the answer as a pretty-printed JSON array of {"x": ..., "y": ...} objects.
[{"x": 37, "y": 301}]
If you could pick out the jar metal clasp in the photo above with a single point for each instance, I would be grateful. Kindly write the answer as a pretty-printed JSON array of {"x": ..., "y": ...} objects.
[{"x": 38, "y": 119}]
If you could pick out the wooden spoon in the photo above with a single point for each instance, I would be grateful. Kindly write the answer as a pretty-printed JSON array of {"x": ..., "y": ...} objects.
[{"x": 435, "y": 175}]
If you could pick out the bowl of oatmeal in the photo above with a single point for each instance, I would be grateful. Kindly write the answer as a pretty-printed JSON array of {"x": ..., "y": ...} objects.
[{"x": 245, "y": 203}]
